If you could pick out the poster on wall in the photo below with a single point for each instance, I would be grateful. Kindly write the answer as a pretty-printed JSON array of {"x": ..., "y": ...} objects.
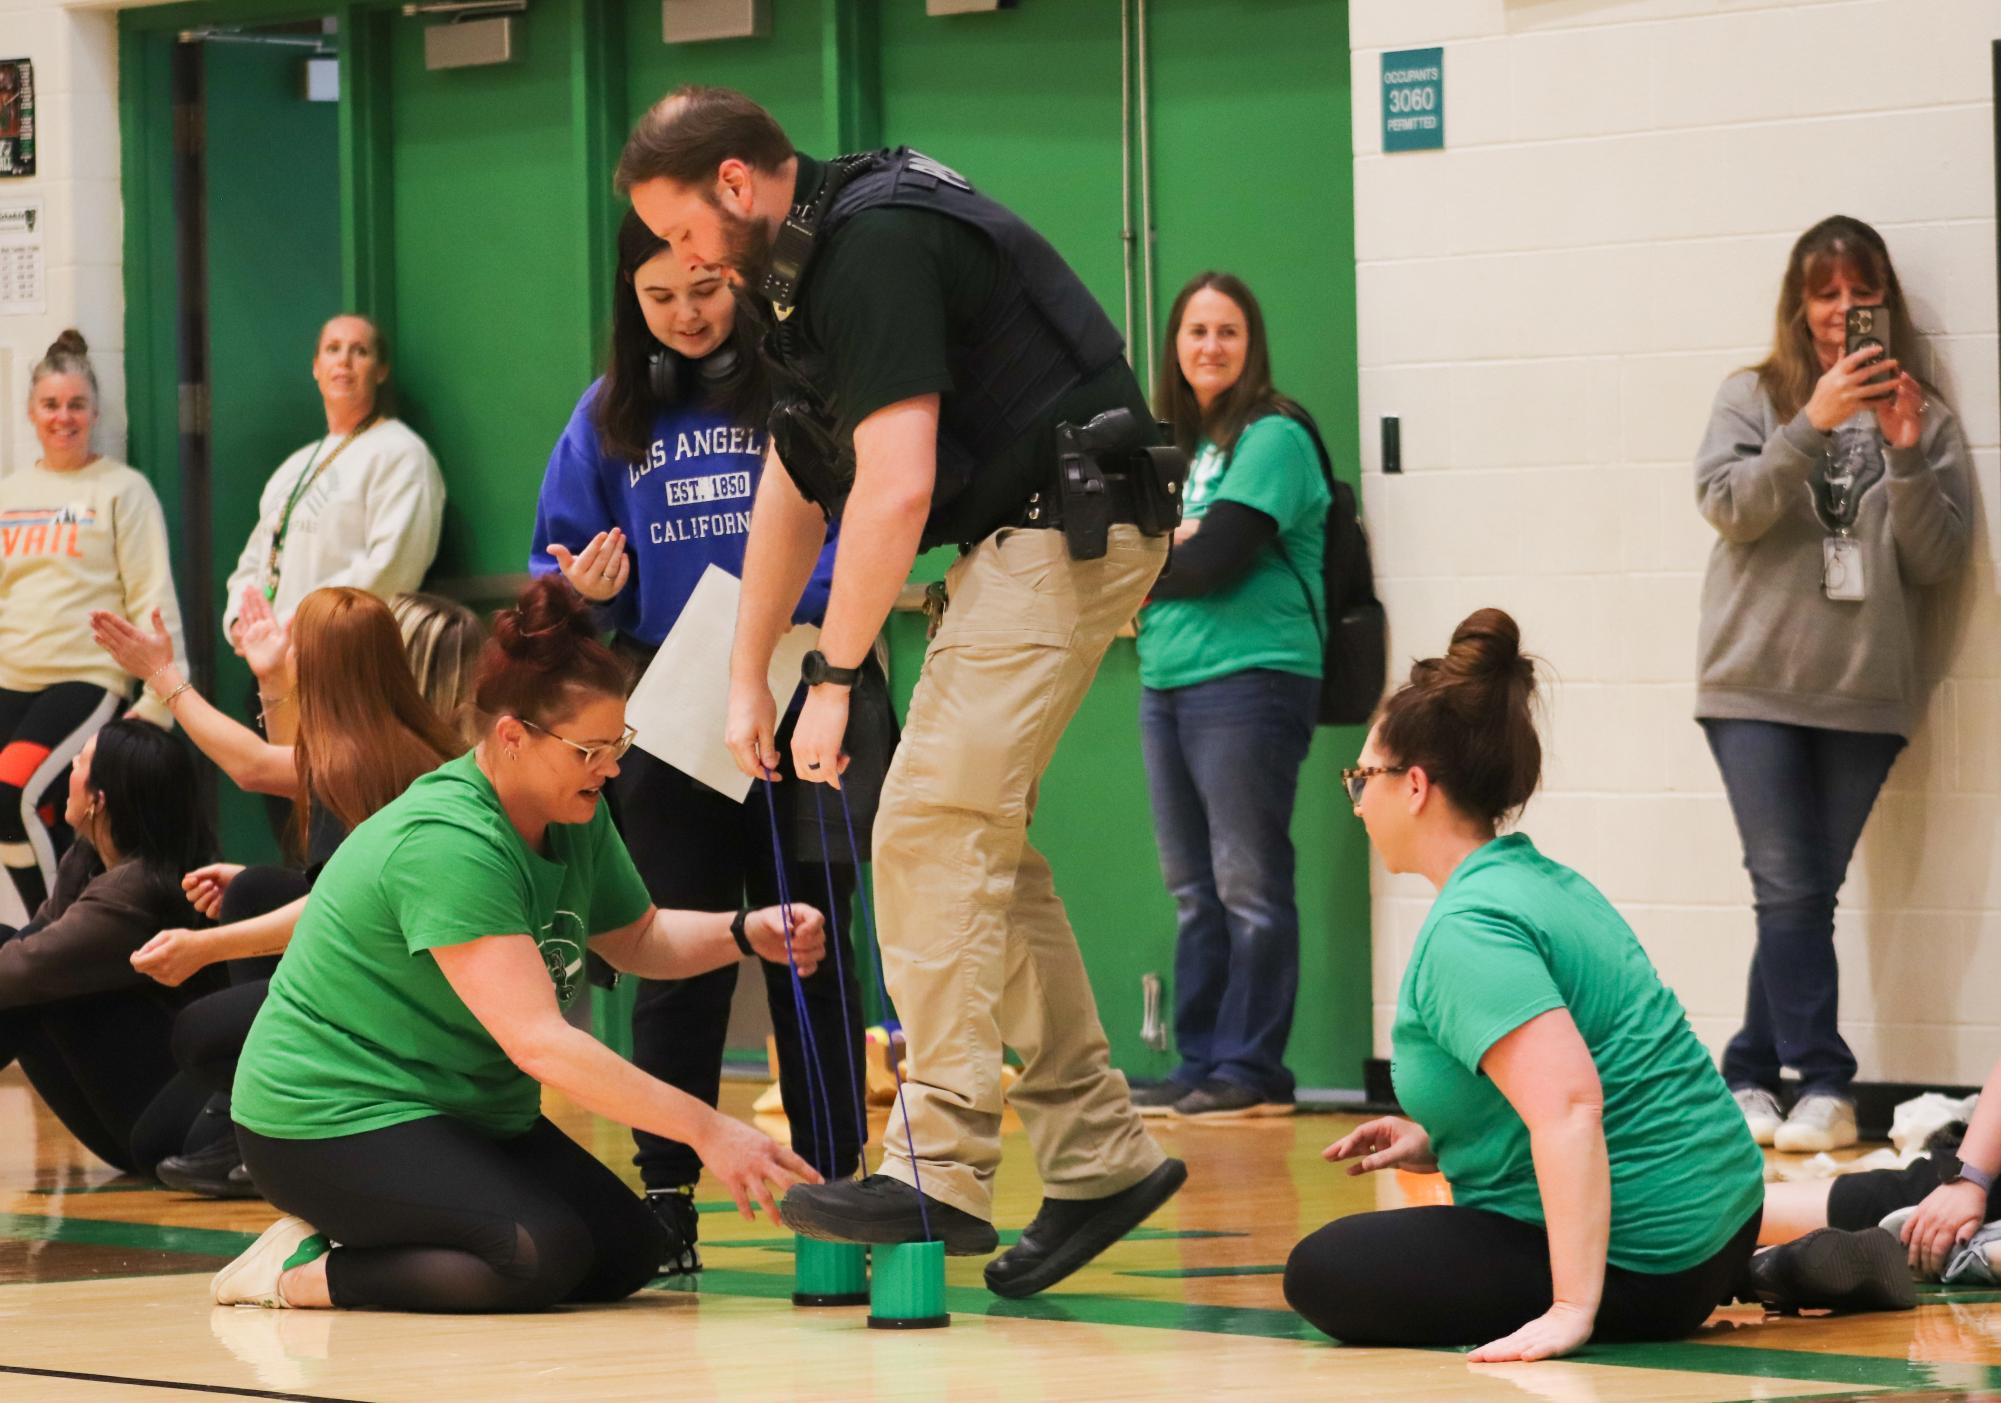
[
  {"x": 17, "y": 117},
  {"x": 23, "y": 236}
]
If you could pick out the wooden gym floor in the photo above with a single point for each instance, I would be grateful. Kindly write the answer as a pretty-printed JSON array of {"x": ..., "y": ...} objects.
[{"x": 103, "y": 1296}]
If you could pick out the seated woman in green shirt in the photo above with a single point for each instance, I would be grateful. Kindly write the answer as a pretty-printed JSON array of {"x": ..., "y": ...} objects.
[
  {"x": 389, "y": 1093},
  {"x": 1601, "y": 1189}
]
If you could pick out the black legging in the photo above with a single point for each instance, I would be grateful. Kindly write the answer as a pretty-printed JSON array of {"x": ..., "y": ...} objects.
[
  {"x": 100, "y": 1065},
  {"x": 1863, "y": 1200},
  {"x": 258, "y": 891},
  {"x": 698, "y": 850},
  {"x": 432, "y": 1215},
  {"x": 1463, "y": 1276},
  {"x": 40, "y": 733},
  {"x": 208, "y": 1036}
]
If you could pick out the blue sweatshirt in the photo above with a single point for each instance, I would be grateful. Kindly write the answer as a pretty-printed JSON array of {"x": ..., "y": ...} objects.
[{"x": 684, "y": 508}]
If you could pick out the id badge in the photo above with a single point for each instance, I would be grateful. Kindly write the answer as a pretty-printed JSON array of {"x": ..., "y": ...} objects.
[{"x": 1841, "y": 569}]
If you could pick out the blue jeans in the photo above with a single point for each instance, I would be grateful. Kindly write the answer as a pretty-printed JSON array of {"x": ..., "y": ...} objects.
[
  {"x": 1222, "y": 767},
  {"x": 1800, "y": 795}
]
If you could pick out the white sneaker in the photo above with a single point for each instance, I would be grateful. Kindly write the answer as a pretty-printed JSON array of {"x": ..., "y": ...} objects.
[
  {"x": 1817, "y": 1124},
  {"x": 252, "y": 1279},
  {"x": 1761, "y": 1112}
]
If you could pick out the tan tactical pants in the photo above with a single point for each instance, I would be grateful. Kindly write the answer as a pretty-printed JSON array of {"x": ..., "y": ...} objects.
[{"x": 977, "y": 950}]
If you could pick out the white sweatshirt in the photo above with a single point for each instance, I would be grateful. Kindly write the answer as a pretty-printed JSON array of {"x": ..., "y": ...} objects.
[
  {"x": 370, "y": 520},
  {"x": 71, "y": 542}
]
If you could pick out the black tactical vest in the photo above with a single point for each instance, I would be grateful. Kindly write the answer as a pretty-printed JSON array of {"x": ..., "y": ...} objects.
[{"x": 1041, "y": 336}]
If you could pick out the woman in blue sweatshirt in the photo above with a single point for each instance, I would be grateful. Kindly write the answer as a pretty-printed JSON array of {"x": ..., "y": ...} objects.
[{"x": 650, "y": 484}]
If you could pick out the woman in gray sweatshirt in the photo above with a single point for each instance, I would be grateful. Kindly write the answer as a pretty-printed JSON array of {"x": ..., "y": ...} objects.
[{"x": 1839, "y": 488}]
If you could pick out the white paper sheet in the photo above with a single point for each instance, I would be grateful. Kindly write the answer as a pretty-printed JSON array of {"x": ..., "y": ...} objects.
[{"x": 681, "y": 704}]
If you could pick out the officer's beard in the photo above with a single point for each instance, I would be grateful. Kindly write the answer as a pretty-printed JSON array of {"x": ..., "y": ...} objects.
[{"x": 747, "y": 246}]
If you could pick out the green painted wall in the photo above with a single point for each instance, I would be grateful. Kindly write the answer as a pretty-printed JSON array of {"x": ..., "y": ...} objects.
[
  {"x": 493, "y": 295},
  {"x": 491, "y": 311},
  {"x": 274, "y": 277},
  {"x": 1250, "y": 135},
  {"x": 273, "y": 227}
]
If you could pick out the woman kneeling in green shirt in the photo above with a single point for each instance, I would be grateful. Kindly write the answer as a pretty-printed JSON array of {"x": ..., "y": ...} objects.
[
  {"x": 389, "y": 1093},
  {"x": 1600, "y": 1188}
]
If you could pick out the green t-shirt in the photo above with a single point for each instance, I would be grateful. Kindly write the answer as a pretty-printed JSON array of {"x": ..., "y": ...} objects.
[
  {"x": 1262, "y": 619},
  {"x": 1512, "y": 935},
  {"x": 361, "y": 1030}
]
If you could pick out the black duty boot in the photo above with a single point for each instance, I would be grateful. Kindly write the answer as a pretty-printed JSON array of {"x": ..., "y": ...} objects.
[
  {"x": 1069, "y": 1232},
  {"x": 675, "y": 1209},
  {"x": 1835, "y": 1270},
  {"x": 880, "y": 1209},
  {"x": 215, "y": 1171}
]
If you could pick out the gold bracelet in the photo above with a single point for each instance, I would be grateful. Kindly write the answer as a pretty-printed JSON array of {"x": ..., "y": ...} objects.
[
  {"x": 168, "y": 700},
  {"x": 267, "y": 703}
]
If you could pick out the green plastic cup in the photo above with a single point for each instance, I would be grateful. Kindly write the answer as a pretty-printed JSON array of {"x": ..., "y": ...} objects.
[
  {"x": 829, "y": 1273},
  {"x": 907, "y": 1287}
]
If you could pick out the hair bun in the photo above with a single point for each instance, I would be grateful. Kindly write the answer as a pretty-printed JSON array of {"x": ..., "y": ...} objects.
[
  {"x": 69, "y": 343},
  {"x": 546, "y": 625},
  {"x": 1487, "y": 643}
]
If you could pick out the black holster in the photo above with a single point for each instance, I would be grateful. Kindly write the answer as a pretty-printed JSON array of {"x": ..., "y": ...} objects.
[{"x": 1106, "y": 473}]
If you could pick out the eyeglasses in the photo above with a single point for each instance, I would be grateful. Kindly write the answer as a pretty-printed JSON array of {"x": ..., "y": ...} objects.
[
  {"x": 1356, "y": 778},
  {"x": 612, "y": 749}
]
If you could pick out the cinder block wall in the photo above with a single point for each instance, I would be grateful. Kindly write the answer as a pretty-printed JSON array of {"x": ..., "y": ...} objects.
[
  {"x": 1549, "y": 304},
  {"x": 75, "y": 52}
]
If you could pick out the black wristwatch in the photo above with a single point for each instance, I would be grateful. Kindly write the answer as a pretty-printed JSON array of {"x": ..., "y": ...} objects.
[
  {"x": 815, "y": 669},
  {"x": 738, "y": 934}
]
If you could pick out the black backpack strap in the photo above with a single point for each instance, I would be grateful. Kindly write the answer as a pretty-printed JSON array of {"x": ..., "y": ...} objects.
[{"x": 1305, "y": 421}]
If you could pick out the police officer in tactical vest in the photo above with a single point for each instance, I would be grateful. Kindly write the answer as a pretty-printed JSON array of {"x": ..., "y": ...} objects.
[{"x": 949, "y": 380}]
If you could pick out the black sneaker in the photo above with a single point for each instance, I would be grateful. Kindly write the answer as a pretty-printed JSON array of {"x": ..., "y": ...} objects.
[
  {"x": 1830, "y": 1269},
  {"x": 1225, "y": 1100},
  {"x": 880, "y": 1209},
  {"x": 1068, "y": 1232},
  {"x": 675, "y": 1210},
  {"x": 1157, "y": 1098},
  {"x": 214, "y": 1172}
]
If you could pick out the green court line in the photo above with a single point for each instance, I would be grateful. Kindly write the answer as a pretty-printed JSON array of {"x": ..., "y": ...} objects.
[
  {"x": 1689, "y": 1356},
  {"x": 113, "y": 1188},
  {"x": 139, "y": 1237},
  {"x": 1752, "y": 1361},
  {"x": 1932, "y": 1293},
  {"x": 1177, "y": 1273},
  {"x": 1083, "y": 1309},
  {"x": 1682, "y": 1357},
  {"x": 1008, "y": 1237}
]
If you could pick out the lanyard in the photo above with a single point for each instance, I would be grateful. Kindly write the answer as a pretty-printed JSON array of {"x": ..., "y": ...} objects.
[{"x": 313, "y": 470}]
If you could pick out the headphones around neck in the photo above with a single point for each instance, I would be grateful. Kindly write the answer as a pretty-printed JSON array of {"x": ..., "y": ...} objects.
[{"x": 668, "y": 373}]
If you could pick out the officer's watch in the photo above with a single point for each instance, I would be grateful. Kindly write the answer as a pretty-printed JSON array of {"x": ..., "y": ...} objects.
[
  {"x": 1974, "y": 1175},
  {"x": 815, "y": 669},
  {"x": 740, "y": 934}
]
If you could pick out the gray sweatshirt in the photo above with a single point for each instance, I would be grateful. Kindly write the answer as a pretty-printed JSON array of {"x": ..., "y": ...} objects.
[{"x": 1772, "y": 646}]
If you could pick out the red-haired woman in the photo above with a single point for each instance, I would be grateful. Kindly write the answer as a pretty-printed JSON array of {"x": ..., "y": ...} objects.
[
  {"x": 388, "y": 1095},
  {"x": 348, "y": 731}
]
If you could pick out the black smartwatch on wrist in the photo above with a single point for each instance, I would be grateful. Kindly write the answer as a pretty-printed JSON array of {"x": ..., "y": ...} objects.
[
  {"x": 738, "y": 934},
  {"x": 815, "y": 669}
]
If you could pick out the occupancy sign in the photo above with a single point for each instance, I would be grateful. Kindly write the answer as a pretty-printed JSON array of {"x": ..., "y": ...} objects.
[{"x": 1413, "y": 99}]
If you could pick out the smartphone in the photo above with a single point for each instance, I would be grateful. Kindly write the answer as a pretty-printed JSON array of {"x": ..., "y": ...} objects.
[{"x": 1870, "y": 327}]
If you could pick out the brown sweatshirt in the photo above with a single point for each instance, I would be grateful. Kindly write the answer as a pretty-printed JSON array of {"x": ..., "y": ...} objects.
[{"x": 81, "y": 940}]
